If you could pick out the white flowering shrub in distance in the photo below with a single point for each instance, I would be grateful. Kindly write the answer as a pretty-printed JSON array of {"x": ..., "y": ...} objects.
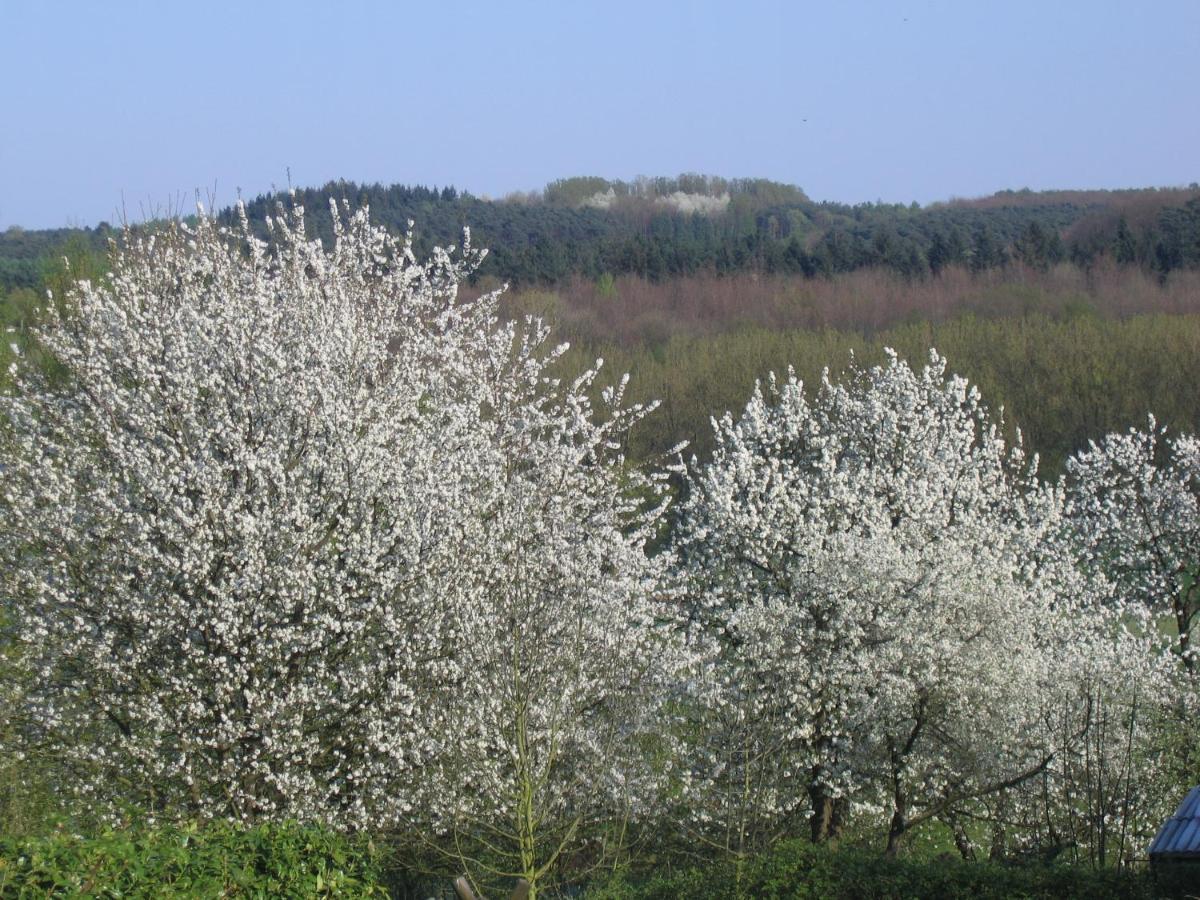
[
  {"x": 878, "y": 572},
  {"x": 251, "y": 537}
]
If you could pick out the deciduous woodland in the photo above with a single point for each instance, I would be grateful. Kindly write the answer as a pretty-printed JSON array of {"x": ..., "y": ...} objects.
[
  {"x": 1075, "y": 311},
  {"x": 301, "y": 520}
]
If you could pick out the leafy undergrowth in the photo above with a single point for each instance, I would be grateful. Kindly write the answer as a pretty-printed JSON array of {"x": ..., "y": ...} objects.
[
  {"x": 216, "y": 860},
  {"x": 300, "y": 861},
  {"x": 797, "y": 870}
]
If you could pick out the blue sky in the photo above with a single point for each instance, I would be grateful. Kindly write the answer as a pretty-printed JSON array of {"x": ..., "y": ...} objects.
[{"x": 853, "y": 101}]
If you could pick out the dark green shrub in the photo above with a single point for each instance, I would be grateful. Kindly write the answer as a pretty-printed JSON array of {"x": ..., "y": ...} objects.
[{"x": 215, "y": 860}]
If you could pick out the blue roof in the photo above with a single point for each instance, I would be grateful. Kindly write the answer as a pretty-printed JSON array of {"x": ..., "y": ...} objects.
[{"x": 1180, "y": 834}]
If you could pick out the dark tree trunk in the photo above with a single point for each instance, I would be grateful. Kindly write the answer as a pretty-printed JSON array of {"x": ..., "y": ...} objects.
[
  {"x": 895, "y": 834},
  {"x": 828, "y": 813},
  {"x": 899, "y": 824}
]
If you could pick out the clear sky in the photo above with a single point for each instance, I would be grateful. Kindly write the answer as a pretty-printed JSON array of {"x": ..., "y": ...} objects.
[{"x": 853, "y": 101}]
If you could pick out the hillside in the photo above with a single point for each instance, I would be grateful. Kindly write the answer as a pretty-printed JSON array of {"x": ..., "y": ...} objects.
[{"x": 662, "y": 228}]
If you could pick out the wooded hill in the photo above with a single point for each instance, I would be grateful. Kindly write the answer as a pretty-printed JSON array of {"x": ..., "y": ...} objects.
[{"x": 661, "y": 228}]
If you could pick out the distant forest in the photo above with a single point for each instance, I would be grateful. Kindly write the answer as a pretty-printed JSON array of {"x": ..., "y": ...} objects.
[
  {"x": 1079, "y": 311},
  {"x": 663, "y": 228}
]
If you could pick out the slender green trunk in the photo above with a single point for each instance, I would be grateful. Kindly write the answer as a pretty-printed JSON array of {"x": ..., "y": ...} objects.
[{"x": 526, "y": 816}]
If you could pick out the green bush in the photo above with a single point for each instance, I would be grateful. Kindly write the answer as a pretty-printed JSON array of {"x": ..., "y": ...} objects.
[
  {"x": 215, "y": 860},
  {"x": 798, "y": 870}
]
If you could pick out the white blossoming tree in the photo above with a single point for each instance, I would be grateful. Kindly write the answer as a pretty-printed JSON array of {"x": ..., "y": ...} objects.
[
  {"x": 1135, "y": 501},
  {"x": 557, "y": 710},
  {"x": 875, "y": 568},
  {"x": 1110, "y": 783},
  {"x": 262, "y": 538}
]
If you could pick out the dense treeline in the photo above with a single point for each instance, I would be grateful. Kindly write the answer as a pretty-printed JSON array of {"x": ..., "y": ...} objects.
[
  {"x": 664, "y": 228},
  {"x": 670, "y": 227},
  {"x": 1032, "y": 299},
  {"x": 1070, "y": 353},
  {"x": 29, "y": 258},
  {"x": 1061, "y": 381}
]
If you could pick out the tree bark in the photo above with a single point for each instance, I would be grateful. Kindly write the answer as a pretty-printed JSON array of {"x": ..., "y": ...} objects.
[
  {"x": 895, "y": 833},
  {"x": 828, "y": 813}
]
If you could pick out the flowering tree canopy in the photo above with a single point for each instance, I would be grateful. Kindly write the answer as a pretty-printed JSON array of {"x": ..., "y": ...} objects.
[
  {"x": 568, "y": 669},
  {"x": 280, "y": 495},
  {"x": 1135, "y": 502},
  {"x": 879, "y": 572}
]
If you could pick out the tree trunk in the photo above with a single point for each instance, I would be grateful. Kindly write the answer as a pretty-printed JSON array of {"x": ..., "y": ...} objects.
[
  {"x": 828, "y": 813},
  {"x": 963, "y": 843},
  {"x": 1183, "y": 623},
  {"x": 895, "y": 835},
  {"x": 999, "y": 838},
  {"x": 899, "y": 823}
]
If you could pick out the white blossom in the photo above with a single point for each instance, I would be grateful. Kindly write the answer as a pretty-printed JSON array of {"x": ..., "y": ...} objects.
[
  {"x": 263, "y": 540},
  {"x": 892, "y": 611}
]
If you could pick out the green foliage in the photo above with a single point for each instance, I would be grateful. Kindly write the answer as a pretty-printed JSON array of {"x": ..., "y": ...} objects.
[
  {"x": 798, "y": 869},
  {"x": 76, "y": 259},
  {"x": 1061, "y": 380},
  {"x": 26, "y": 256},
  {"x": 29, "y": 803},
  {"x": 769, "y": 227},
  {"x": 216, "y": 860}
]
